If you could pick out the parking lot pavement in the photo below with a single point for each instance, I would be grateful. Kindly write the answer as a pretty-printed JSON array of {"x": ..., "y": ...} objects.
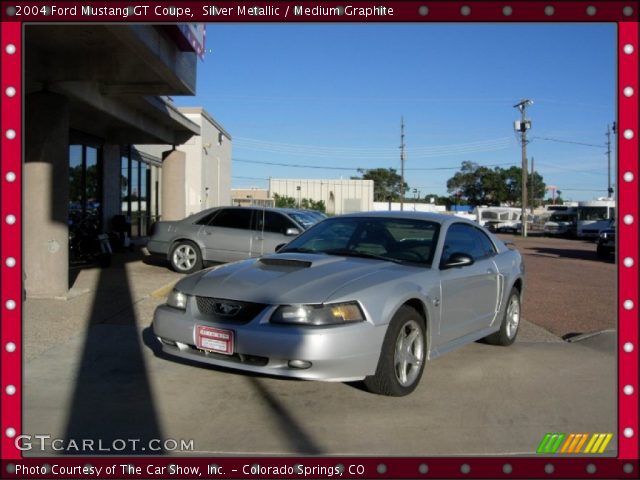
[
  {"x": 568, "y": 289},
  {"x": 92, "y": 370}
]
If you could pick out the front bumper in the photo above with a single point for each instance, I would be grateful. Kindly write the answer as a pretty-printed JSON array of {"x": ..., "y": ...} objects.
[{"x": 337, "y": 353}]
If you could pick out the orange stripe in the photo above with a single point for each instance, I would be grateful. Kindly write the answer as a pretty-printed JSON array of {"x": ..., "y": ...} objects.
[
  {"x": 572, "y": 448},
  {"x": 584, "y": 439},
  {"x": 567, "y": 442}
]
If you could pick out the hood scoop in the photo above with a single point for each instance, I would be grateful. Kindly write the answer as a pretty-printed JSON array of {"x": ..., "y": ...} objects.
[{"x": 285, "y": 262}]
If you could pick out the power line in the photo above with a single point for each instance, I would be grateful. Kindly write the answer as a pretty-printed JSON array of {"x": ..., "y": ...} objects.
[
  {"x": 568, "y": 141},
  {"x": 295, "y": 165}
]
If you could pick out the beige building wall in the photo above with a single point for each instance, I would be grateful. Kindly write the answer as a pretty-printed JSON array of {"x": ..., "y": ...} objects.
[
  {"x": 339, "y": 196},
  {"x": 203, "y": 179}
]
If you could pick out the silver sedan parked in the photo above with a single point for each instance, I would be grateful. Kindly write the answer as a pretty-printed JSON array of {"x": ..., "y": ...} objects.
[
  {"x": 367, "y": 296},
  {"x": 224, "y": 234}
]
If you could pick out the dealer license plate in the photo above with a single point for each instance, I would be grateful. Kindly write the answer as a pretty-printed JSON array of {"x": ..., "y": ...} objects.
[{"x": 214, "y": 340}]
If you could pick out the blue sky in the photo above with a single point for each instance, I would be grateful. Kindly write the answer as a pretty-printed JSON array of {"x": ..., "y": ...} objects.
[{"x": 332, "y": 95}]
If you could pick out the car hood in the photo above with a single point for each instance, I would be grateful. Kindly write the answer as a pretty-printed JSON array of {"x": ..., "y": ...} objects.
[{"x": 285, "y": 278}]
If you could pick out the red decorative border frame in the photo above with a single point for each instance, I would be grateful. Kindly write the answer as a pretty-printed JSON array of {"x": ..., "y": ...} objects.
[{"x": 625, "y": 465}]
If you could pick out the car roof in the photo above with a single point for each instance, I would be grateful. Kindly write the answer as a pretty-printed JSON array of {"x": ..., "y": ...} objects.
[{"x": 431, "y": 216}]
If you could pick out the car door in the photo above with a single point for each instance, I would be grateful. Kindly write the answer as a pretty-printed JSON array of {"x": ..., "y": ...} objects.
[
  {"x": 270, "y": 231},
  {"x": 227, "y": 236},
  {"x": 469, "y": 294}
]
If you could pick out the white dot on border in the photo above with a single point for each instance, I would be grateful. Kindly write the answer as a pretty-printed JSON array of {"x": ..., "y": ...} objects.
[
  {"x": 628, "y": 134},
  {"x": 628, "y": 468},
  {"x": 627, "y": 11},
  {"x": 628, "y": 91},
  {"x": 628, "y": 176},
  {"x": 11, "y": 134},
  {"x": 10, "y": 304},
  {"x": 423, "y": 10},
  {"x": 10, "y": 390},
  {"x": 628, "y": 390},
  {"x": 465, "y": 10},
  {"x": 10, "y": 49},
  {"x": 507, "y": 11},
  {"x": 507, "y": 468},
  {"x": 10, "y": 177},
  {"x": 628, "y": 49},
  {"x": 628, "y": 347},
  {"x": 628, "y": 432},
  {"x": 549, "y": 468},
  {"x": 465, "y": 468},
  {"x": 591, "y": 10},
  {"x": 10, "y": 432},
  {"x": 628, "y": 262},
  {"x": 423, "y": 468},
  {"x": 549, "y": 10},
  {"x": 591, "y": 468},
  {"x": 10, "y": 262},
  {"x": 10, "y": 92},
  {"x": 628, "y": 304},
  {"x": 11, "y": 219},
  {"x": 11, "y": 347},
  {"x": 628, "y": 219}
]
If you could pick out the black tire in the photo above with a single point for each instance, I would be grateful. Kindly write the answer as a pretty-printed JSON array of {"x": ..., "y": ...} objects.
[
  {"x": 508, "y": 331},
  {"x": 185, "y": 257},
  {"x": 387, "y": 380}
]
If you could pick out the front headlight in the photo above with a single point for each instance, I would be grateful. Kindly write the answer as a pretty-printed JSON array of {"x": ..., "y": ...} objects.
[
  {"x": 330, "y": 314},
  {"x": 177, "y": 299}
]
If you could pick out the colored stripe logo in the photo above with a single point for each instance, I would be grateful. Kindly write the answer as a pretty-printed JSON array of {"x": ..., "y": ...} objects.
[{"x": 574, "y": 443}]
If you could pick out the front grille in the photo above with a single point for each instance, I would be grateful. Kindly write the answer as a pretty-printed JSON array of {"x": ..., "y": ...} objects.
[
  {"x": 229, "y": 311},
  {"x": 254, "y": 360}
]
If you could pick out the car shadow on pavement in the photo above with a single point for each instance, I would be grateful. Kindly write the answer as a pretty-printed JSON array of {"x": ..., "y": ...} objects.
[
  {"x": 112, "y": 401},
  {"x": 300, "y": 441}
]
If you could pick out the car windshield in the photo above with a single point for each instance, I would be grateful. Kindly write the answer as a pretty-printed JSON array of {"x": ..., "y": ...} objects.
[
  {"x": 303, "y": 219},
  {"x": 392, "y": 239}
]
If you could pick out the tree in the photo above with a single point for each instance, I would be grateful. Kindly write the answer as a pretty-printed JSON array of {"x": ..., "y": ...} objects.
[
  {"x": 480, "y": 185},
  {"x": 386, "y": 183},
  {"x": 282, "y": 201}
]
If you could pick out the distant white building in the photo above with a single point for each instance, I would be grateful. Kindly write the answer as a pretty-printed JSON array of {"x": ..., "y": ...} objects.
[{"x": 339, "y": 196}]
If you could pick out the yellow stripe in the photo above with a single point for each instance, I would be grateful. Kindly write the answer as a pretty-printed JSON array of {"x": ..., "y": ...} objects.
[
  {"x": 605, "y": 443},
  {"x": 584, "y": 439},
  {"x": 596, "y": 446},
  {"x": 591, "y": 442},
  {"x": 574, "y": 443},
  {"x": 567, "y": 442}
]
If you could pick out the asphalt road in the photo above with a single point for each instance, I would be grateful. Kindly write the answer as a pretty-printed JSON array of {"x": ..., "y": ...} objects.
[{"x": 568, "y": 290}]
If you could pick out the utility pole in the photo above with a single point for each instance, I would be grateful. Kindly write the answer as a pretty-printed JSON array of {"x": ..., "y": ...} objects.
[
  {"x": 533, "y": 190},
  {"x": 609, "y": 189},
  {"x": 402, "y": 163},
  {"x": 522, "y": 126}
]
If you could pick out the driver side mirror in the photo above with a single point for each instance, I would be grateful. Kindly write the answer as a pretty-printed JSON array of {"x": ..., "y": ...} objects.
[
  {"x": 456, "y": 260},
  {"x": 292, "y": 232}
]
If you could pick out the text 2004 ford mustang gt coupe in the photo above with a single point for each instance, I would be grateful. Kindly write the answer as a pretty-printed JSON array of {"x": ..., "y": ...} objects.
[{"x": 363, "y": 296}]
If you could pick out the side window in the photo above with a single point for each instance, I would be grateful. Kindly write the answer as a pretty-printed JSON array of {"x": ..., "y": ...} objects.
[
  {"x": 274, "y": 222},
  {"x": 233, "y": 218},
  {"x": 462, "y": 238},
  {"x": 206, "y": 220},
  {"x": 486, "y": 244}
]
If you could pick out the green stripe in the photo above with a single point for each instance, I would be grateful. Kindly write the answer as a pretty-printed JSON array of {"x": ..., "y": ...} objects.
[
  {"x": 558, "y": 442},
  {"x": 543, "y": 443}
]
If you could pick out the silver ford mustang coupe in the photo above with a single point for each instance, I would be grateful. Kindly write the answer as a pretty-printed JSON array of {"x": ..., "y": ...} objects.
[{"x": 365, "y": 296}]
